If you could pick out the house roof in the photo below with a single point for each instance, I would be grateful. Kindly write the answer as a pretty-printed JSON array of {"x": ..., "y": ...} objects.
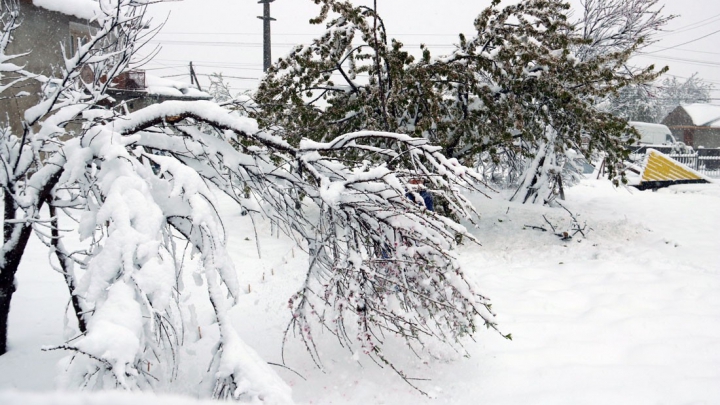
[
  {"x": 703, "y": 115},
  {"x": 85, "y": 9}
]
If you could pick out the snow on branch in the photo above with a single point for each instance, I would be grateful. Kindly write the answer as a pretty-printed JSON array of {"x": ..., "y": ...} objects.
[
  {"x": 379, "y": 262},
  {"x": 381, "y": 266}
]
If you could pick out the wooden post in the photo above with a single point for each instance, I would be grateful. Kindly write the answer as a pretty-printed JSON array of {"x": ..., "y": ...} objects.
[{"x": 193, "y": 77}]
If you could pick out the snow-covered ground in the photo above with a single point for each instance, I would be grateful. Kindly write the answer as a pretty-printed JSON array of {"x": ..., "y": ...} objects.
[{"x": 629, "y": 315}]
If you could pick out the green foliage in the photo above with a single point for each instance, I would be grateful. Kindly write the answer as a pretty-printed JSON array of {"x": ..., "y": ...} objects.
[{"x": 496, "y": 95}]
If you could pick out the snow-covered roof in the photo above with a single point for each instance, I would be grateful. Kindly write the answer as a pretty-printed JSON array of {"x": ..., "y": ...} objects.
[
  {"x": 703, "y": 115},
  {"x": 159, "y": 86},
  {"x": 85, "y": 9}
]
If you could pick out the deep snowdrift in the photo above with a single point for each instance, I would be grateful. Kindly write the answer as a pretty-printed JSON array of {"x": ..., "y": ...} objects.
[{"x": 629, "y": 315}]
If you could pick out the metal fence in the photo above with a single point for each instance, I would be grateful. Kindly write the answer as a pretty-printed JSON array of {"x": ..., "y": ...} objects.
[{"x": 705, "y": 161}]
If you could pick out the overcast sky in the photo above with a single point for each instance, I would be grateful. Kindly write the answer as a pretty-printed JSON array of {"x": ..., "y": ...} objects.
[{"x": 226, "y": 35}]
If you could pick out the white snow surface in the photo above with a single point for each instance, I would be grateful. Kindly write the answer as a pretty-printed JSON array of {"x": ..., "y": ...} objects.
[
  {"x": 104, "y": 398},
  {"x": 160, "y": 86},
  {"x": 704, "y": 114},
  {"x": 85, "y": 9},
  {"x": 628, "y": 315}
]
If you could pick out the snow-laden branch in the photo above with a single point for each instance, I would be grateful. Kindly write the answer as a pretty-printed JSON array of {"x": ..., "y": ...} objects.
[
  {"x": 369, "y": 244},
  {"x": 380, "y": 265}
]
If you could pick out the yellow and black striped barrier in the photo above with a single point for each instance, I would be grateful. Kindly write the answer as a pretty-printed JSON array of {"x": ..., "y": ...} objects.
[{"x": 663, "y": 171}]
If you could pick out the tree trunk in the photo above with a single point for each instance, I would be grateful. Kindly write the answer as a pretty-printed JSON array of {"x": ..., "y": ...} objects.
[
  {"x": 5, "y": 297},
  {"x": 66, "y": 265},
  {"x": 15, "y": 238}
]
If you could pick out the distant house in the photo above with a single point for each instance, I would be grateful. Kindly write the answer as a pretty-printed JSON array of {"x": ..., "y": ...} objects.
[
  {"x": 46, "y": 25},
  {"x": 698, "y": 125}
]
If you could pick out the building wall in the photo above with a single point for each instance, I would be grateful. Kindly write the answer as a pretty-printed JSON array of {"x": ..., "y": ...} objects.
[
  {"x": 678, "y": 121},
  {"x": 707, "y": 138},
  {"x": 684, "y": 130},
  {"x": 41, "y": 33}
]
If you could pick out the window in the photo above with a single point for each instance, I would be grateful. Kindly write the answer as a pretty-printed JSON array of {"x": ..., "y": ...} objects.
[{"x": 79, "y": 33}]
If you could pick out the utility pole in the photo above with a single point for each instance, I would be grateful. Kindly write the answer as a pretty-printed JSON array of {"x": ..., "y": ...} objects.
[{"x": 267, "y": 53}]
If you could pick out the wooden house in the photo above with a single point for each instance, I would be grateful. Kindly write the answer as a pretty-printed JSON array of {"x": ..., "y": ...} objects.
[{"x": 697, "y": 125}]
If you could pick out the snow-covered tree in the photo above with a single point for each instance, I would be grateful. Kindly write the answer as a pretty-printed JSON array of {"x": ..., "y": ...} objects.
[
  {"x": 141, "y": 186},
  {"x": 219, "y": 88},
  {"x": 639, "y": 102},
  {"x": 616, "y": 25},
  {"x": 28, "y": 173},
  {"x": 498, "y": 99},
  {"x": 610, "y": 26},
  {"x": 653, "y": 102},
  {"x": 10, "y": 74}
]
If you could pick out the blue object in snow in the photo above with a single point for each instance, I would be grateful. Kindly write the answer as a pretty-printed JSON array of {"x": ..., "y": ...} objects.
[{"x": 427, "y": 199}]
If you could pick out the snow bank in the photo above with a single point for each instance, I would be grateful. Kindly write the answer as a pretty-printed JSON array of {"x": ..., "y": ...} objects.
[
  {"x": 85, "y": 9},
  {"x": 626, "y": 316},
  {"x": 99, "y": 398}
]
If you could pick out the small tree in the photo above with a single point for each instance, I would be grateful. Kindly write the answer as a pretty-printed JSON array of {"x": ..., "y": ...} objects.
[
  {"x": 220, "y": 88},
  {"x": 139, "y": 186},
  {"x": 610, "y": 26},
  {"x": 514, "y": 89}
]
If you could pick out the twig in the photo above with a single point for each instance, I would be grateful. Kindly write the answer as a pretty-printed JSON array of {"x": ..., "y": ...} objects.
[
  {"x": 551, "y": 225},
  {"x": 287, "y": 368}
]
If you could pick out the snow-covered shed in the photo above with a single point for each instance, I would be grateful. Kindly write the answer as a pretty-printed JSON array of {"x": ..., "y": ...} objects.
[{"x": 698, "y": 125}]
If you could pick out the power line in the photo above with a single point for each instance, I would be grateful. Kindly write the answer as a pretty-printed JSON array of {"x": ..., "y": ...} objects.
[
  {"x": 685, "y": 43},
  {"x": 162, "y": 68},
  {"x": 257, "y": 69},
  {"x": 298, "y": 34},
  {"x": 259, "y": 44},
  {"x": 692, "y": 26},
  {"x": 231, "y": 77},
  {"x": 683, "y": 60},
  {"x": 227, "y": 63},
  {"x": 229, "y": 67},
  {"x": 209, "y": 75},
  {"x": 693, "y": 51}
]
